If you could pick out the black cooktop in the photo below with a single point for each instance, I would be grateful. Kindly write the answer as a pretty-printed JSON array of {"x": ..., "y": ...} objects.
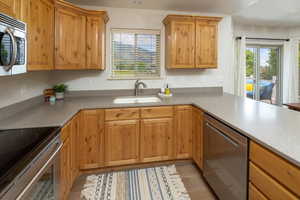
[{"x": 18, "y": 148}]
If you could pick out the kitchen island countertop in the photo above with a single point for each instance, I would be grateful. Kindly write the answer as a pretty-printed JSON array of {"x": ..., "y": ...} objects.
[{"x": 276, "y": 128}]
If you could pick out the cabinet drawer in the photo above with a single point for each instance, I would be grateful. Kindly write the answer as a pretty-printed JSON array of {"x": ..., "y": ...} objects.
[
  {"x": 255, "y": 194},
  {"x": 283, "y": 171},
  {"x": 122, "y": 114},
  {"x": 156, "y": 112},
  {"x": 271, "y": 188}
]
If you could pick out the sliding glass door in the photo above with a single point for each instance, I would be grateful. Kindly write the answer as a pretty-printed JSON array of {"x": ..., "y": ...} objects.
[{"x": 263, "y": 73}]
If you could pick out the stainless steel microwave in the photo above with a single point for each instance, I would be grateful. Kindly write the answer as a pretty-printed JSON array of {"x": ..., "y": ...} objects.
[{"x": 13, "y": 46}]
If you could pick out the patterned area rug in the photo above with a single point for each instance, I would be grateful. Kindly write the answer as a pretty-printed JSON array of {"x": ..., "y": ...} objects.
[{"x": 159, "y": 183}]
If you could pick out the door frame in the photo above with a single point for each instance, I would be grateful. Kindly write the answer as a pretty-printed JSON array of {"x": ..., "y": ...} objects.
[{"x": 279, "y": 87}]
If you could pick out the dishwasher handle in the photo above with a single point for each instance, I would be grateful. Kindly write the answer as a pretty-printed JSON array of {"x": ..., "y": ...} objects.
[{"x": 233, "y": 142}]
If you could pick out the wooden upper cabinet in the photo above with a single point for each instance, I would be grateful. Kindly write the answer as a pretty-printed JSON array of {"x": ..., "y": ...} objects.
[
  {"x": 40, "y": 35},
  {"x": 91, "y": 137},
  {"x": 95, "y": 55},
  {"x": 10, "y": 8},
  {"x": 79, "y": 37},
  {"x": 122, "y": 142},
  {"x": 180, "y": 39},
  {"x": 156, "y": 142},
  {"x": 191, "y": 42},
  {"x": 183, "y": 128},
  {"x": 70, "y": 39},
  {"x": 207, "y": 42}
]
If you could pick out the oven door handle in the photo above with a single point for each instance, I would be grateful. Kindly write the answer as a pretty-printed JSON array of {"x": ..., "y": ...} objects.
[
  {"x": 40, "y": 172},
  {"x": 14, "y": 51}
]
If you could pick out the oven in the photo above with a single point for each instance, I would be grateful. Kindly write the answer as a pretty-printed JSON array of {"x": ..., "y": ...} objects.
[
  {"x": 13, "y": 46},
  {"x": 40, "y": 179},
  {"x": 225, "y": 166}
]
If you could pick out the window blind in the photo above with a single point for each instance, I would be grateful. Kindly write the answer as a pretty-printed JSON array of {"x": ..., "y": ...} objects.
[{"x": 135, "y": 53}]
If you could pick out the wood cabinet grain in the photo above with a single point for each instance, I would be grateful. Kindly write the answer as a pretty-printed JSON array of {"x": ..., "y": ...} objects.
[
  {"x": 65, "y": 169},
  {"x": 122, "y": 142},
  {"x": 191, "y": 41},
  {"x": 40, "y": 24},
  {"x": 10, "y": 7},
  {"x": 157, "y": 112},
  {"x": 74, "y": 142},
  {"x": 70, "y": 39},
  {"x": 156, "y": 139},
  {"x": 95, "y": 38},
  {"x": 198, "y": 137},
  {"x": 269, "y": 187},
  {"x": 122, "y": 114},
  {"x": 91, "y": 137},
  {"x": 281, "y": 170},
  {"x": 206, "y": 42},
  {"x": 255, "y": 194},
  {"x": 183, "y": 130}
]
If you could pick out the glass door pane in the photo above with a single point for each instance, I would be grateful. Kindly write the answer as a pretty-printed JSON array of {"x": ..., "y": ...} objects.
[
  {"x": 268, "y": 74},
  {"x": 251, "y": 62}
]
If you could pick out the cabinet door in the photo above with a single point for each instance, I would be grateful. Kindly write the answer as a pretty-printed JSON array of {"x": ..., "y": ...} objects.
[
  {"x": 91, "y": 139},
  {"x": 156, "y": 139},
  {"x": 74, "y": 147},
  {"x": 65, "y": 169},
  {"x": 183, "y": 44},
  {"x": 10, "y": 7},
  {"x": 198, "y": 137},
  {"x": 70, "y": 39},
  {"x": 206, "y": 43},
  {"x": 122, "y": 142},
  {"x": 95, "y": 43},
  {"x": 183, "y": 128},
  {"x": 41, "y": 35}
]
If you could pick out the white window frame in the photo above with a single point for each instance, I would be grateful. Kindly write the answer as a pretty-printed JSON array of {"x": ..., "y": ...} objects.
[{"x": 138, "y": 31}]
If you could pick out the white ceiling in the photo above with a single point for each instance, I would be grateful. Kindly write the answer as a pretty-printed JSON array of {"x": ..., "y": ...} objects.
[
  {"x": 205, "y": 6},
  {"x": 284, "y": 13}
]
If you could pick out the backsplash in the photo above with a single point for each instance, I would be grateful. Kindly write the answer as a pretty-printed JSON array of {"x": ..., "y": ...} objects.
[{"x": 14, "y": 89}]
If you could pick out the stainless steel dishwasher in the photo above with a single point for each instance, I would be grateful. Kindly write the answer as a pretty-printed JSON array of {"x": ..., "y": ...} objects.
[{"x": 225, "y": 160}]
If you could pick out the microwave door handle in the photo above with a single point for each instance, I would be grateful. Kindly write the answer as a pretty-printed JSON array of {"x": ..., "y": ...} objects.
[{"x": 14, "y": 52}]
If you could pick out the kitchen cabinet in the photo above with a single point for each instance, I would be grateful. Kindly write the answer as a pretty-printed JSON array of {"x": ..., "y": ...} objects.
[
  {"x": 65, "y": 162},
  {"x": 81, "y": 47},
  {"x": 10, "y": 7},
  {"x": 198, "y": 137},
  {"x": 206, "y": 42},
  {"x": 91, "y": 137},
  {"x": 70, "y": 42},
  {"x": 95, "y": 55},
  {"x": 191, "y": 41},
  {"x": 74, "y": 143},
  {"x": 122, "y": 142},
  {"x": 183, "y": 131},
  {"x": 40, "y": 25},
  {"x": 180, "y": 42},
  {"x": 273, "y": 176},
  {"x": 157, "y": 139}
]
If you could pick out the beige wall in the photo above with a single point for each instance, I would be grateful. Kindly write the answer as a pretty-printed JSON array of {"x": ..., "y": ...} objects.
[{"x": 21, "y": 87}]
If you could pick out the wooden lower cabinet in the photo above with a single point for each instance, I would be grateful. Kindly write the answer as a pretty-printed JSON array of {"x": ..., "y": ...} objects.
[
  {"x": 65, "y": 169},
  {"x": 122, "y": 142},
  {"x": 255, "y": 194},
  {"x": 74, "y": 142},
  {"x": 183, "y": 129},
  {"x": 91, "y": 137},
  {"x": 198, "y": 137},
  {"x": 156, "y": 142}
]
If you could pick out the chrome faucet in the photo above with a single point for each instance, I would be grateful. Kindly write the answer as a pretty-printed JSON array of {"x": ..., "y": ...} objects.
[{"x": 137, "y": 87}]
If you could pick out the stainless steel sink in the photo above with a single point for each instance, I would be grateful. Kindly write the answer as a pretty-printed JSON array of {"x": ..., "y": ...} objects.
[{"x": 137, "y": 99}]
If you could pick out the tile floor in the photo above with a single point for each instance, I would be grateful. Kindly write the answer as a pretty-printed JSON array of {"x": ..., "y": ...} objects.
[{"x": 191, "y": 177}]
